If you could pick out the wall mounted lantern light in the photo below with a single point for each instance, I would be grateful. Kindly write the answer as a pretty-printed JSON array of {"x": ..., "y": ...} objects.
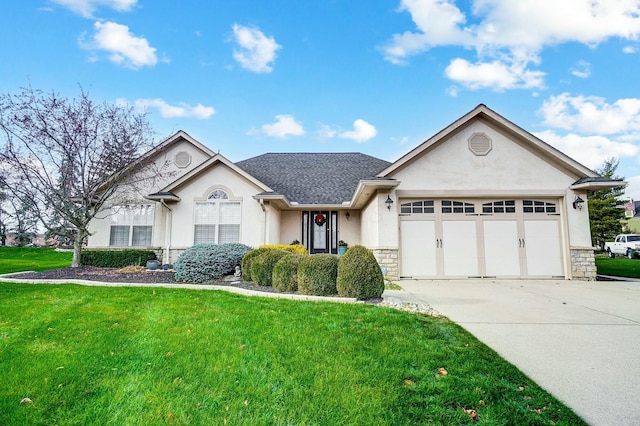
[
  {"x": 578, "y": 202},
  {"x": 389, "y": 202},
  {"x": 348, "y": 215}
]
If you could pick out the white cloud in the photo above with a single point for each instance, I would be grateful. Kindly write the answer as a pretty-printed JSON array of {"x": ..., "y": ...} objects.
[
  {"x": 629, "y": 49},
  {"x": 582, "y": 69},
  {"x": 185, "y": 110},
  {"x": 513, "y": 32},
  {"x": 362, "y": 131},
  {"x": 326, "y": 132},
  {"x": 86, "y": 8},
  {"x": 589, "y": 150},
  {"x": 633, "y": 188},
  {"x": 285, "y": 125},
  {"x": 591, "y": 114},
  {"x": 495, "y": 75},
  {"x": 124, "y": 48},
  {"x": 256, "y": 52}
]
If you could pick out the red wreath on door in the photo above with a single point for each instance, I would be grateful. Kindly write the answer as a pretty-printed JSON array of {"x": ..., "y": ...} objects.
[{"x": 320, "y": 219}]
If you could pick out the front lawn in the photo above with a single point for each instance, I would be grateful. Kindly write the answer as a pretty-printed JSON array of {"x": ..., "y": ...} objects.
[
  {"x": 96, "y": 355},
  {"x": 18, "y": 259},
  {"x": 618, "y": 266}
]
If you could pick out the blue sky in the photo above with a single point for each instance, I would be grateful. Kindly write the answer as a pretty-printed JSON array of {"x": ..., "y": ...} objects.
[{"x": 378, "y": 77}]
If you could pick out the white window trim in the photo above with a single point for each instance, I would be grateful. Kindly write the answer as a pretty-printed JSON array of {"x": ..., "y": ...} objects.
[
  {"x": 129, "y": 222},
  {"x": 218, "y": 203}
]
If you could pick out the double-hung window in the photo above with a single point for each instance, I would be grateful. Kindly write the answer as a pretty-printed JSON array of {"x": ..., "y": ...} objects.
[
  {"x": 131, "y": 225},
  {"x": 217, "y": 220}
]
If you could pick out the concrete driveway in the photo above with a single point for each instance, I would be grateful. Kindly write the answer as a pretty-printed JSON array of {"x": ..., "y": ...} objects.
[{"x": 578, "y": 340}]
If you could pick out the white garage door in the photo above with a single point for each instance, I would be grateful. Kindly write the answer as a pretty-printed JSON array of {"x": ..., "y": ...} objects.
[
  {"x": 480, "y": 238},
  {"x": 419, "y": 246},
  {"x": 501, "y": 247}
]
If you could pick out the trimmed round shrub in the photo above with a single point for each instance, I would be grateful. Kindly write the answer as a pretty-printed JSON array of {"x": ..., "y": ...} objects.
[
  {"x": 208, "y": 262},
  {"x": 359, "y": 274},
  {"x": 285, "y": 273},
  {"x": 247, "y": 260},
  {"x": 262, "y": 266},
  {"x": 317, "y": 275}
]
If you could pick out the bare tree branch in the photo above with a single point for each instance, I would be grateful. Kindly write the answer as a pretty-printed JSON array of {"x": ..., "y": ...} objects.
[{"x": 71, "y": 156}]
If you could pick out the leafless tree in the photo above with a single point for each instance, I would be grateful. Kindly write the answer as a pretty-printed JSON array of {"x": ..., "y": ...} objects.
[{"x": 70, "y": 156}]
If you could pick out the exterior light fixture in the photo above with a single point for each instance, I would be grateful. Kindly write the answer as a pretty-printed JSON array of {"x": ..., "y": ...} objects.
[
  {"x": 578, "y": 202},
  {"x": 348, "y": 215},
  {"x": 389, "y": 202}
]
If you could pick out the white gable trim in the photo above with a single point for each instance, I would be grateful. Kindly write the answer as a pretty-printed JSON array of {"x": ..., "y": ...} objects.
[
  {"x": 217, "y": 158},
  {"x": 548, "y": 152}
]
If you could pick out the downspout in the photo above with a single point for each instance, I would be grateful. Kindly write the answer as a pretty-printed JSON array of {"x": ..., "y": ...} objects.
[
  {"x": 167, "y": 237},
  {"x": 264, "y": 223}
]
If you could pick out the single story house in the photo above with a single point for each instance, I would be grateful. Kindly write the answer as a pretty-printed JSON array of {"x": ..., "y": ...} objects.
[{"x": 481, "y": 198}]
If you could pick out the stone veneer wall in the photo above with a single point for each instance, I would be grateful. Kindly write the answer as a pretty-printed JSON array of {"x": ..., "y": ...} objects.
[
  {"x": 388, "y": 258},
  {"x": 583, "y": 263}
]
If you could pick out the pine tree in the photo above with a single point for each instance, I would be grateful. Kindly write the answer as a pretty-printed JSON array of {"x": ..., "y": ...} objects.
[{"x": 604, "y": 212}]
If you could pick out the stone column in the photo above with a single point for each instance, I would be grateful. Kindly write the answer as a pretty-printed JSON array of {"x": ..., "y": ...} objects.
[
  {"x": 583, "y": 263},
  {"x": 388, "y": 257}
]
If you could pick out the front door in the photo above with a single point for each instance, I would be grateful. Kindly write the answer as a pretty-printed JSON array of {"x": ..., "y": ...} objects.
[{"x": 320, "y": 230}]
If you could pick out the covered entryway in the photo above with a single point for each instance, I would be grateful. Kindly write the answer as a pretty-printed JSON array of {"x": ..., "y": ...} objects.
[
  {"x": 320, "y": 231},
  {"x": 445, "y": 238}
]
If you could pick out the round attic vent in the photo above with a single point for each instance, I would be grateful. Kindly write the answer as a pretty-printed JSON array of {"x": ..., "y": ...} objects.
[
  {"x": 182, "y": 159},
  {"x": 480, "y": 144}
]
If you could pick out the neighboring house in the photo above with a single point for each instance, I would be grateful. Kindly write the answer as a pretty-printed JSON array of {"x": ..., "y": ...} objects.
[
  {"x": 631, "y": 220},
  {"x": 35, "y": 240},
  {"x": 481, "y": 198}
]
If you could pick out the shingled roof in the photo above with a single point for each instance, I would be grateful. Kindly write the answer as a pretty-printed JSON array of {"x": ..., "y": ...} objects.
[{"x": 313, "y": 178}]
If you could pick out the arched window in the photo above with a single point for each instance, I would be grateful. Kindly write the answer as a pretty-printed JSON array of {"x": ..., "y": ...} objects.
[
  {"x": 217, "y": 220},
  {"x": 218, "y": 194}
]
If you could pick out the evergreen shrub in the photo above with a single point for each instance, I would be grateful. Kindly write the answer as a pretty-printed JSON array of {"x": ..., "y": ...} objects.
[
  {"x": 359, "y": 274},
  {"x": 317, "y": 275},
  {"x": 116, "y": 258},
  {"x": 247, "y": 260},
  {"x": 285, "y": 273},
  {"x": 207, "y": 262},
  {"x": 262, "y": 266},
  {"x": 293, "y": 248}
]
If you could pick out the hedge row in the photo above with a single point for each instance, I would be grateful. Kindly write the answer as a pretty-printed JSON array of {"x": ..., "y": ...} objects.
[
  {"x": 356, "y": 274},
  {"x": 116, "y": 258}
]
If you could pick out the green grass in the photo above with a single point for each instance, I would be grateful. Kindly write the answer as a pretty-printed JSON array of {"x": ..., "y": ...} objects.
[
  {"x": 618, "y": 266},
  {"x": 18, "y": 259},
  {"x": 129, "y": 356}
]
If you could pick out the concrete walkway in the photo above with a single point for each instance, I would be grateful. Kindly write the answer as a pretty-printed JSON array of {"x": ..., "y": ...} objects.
[{"x": 578, "y": 340}]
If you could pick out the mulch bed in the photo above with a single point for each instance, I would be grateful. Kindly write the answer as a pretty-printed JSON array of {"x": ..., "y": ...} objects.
[{"x": 114, "y": 275}]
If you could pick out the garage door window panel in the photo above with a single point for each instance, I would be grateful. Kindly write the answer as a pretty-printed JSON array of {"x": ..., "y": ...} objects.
[
  {"x": 418, "y": 207},
  {"x": 535, "y": 206},
  {"x": 497, "y": 207},
  {"x": 457, "y": 207}
]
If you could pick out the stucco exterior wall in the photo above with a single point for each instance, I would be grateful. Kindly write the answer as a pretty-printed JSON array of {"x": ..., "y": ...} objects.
[
  {"x": 290, "y": 226},
  {"x": 349, "y": 229},
  {"x": 509, "y": 167},
  {"x": 272, "y": 226},
  {"x": 252, "y": 229},
  {"x": 163, "y": 162},
  {"x": 369, "y": 223}
]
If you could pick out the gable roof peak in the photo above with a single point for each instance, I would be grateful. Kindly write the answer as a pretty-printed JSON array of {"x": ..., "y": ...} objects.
[{"x": 518, "y": 132}]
